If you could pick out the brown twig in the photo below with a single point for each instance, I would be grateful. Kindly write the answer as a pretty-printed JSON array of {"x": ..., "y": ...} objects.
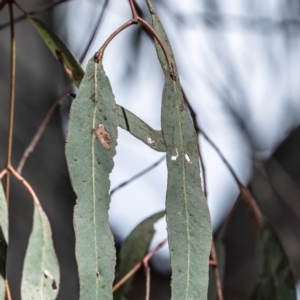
[
  {"x": 30, "y": 148},
  {"x": 135, "y": 19},
  {"x": 148, "y": 278},
  {"x": 20, "y": 8},
  {"x": 138, "y": 265},
  {"x": 99, "y": 54},
  {"x": 216, "y": 272},
  {"x": 151, "y": 30},
  {"x": 148, "y": 169},
  {"x": 2, "y": 173},
  {"x": 133, "y": 10},
  {"x": 26, "y": 185},
  {"x": 94, "y": 32},
  {"x": 7, "y": 290},
  {"x": 2, "y": 4},
  {"x": 12, "y": 97},
  {"x": 254, "y": 211}
]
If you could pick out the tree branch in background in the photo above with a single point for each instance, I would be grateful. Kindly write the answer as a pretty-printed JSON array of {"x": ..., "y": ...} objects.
[
  {"x": 30, "y": 148},
  {"x": 138, "y": 265},
  {"x": 11, "y": 98},
  {"x": 254, "y": 211},
  {"x": 94, "y": 32},
  {"x": 137, "y": 175},
  {"x": 40, "y": 10}
]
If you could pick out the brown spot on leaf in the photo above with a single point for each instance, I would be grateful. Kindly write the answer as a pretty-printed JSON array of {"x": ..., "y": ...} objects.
[
  {"x": 103, "y": 136},
  {"x": 93, "y": 97}
]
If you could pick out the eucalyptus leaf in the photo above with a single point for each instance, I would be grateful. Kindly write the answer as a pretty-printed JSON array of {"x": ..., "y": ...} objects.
[
  {"x": 275, "y": 276},
  {"x": 60, "y": 51},
  {"x": 133, "y": 250},
  {"x": 188, "y": 218},
  {"x": 91, "y": 142},
  {"x": 40, "y": 278},
  {"x": 3, "y": 240},
  {"x": 141, "y": 130}
]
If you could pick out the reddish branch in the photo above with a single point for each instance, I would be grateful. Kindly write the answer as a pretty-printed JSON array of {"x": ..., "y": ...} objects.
[
  {"x": 138, "y": 265},
  {"x": 135, "y": 19}
]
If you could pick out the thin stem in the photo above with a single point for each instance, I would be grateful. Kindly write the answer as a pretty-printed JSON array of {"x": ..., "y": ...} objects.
[
  {"x": 2, "y": 173},
  {"x": 94, "y": 32},
  {"x": 26, "y": 185},
  {"x": 254, "y": 210},
  {"x": 20, "y": 8},
  {"x": 12, "y": 96},
  {"x": 99, "y": 54},
  {"x": 2, "y": 4},
  {"x": 148, "y": 278},
  {"x": 138, "y": 265},
  {"x": 152, "y": 31},
  {"x": 30, "y": 148},
  {"x": 133, "y": 10},
  {"x": 127, "y": 276},
  {"x": 7, "y": 290},
  {"x": 137, "y": 175},
  {"x": 216, "y": 272}
]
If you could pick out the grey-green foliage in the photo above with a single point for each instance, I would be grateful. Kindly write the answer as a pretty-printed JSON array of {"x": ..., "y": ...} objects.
[
  {"x": 40, "y": 277},
  {"x": 188, "y": 219},
  {"x": 133, "y": 250},
  {"x": 139, "y": 129},
  {"x": 60, "y": 51},
  {"x": 3, "y": 240},
  {"x": 275, "y": 275},
  {"x": 91, "y": 143}
]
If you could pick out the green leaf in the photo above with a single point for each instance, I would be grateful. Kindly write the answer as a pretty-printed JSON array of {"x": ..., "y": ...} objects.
[
  {"x": 275, "y": 276},
  {"x": 60, "y": 51},
  {"x": 91, "y": 143},
  {"x": 188, "y": 219},
  {"x": 3, "y": 240},
  {"x": 40, "y": 278},
  {"x": 133, "y": 250},
  {"x": 140, "y": 129}
]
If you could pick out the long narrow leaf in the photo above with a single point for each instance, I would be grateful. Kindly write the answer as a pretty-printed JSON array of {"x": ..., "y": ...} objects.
[
  {"x": 140, "y": 129},
  {"x": 188, "y": 219},
  {"x": 133, "y": 250},
  {"x": 40, "y": 278},
  {"x": 91, "y": 143},
  {"x": 60, "y": 51},
  {"x": 275, "y": 276},
  {"x": 3, "y": 240}
]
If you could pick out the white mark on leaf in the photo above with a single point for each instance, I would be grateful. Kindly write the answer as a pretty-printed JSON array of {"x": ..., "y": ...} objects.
[
  {"x": 174, "y": 157},
  {"x": 149, "y": 140},
  {"x": 187, "y": 158}
]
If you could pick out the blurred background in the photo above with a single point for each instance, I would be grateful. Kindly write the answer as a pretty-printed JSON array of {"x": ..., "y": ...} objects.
[{"x": 238, "y": 64}]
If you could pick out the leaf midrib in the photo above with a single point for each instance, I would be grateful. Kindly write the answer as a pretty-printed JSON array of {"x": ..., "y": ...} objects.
[{"x": 93, "y": 175}]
